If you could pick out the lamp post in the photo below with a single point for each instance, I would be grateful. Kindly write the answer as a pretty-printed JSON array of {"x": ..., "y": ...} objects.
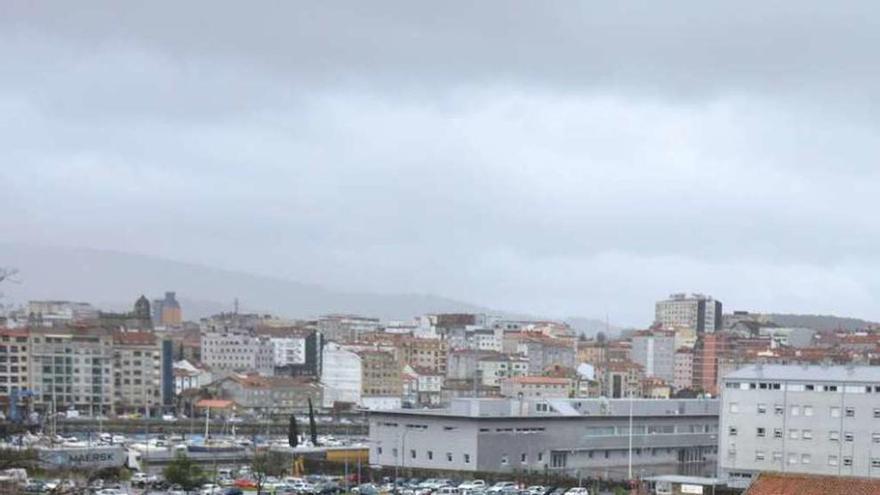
[
  {"x": 630, "y": 461},
  {"x": 401, "y": 454}
]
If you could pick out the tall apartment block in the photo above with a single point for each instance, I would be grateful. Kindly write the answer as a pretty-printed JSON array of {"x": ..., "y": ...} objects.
[
  {"x": 697, "y": 312},
  {"x": 800, "y": 419}
]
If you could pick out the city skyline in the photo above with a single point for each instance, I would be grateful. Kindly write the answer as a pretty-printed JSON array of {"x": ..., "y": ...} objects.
[{"x": 550, "y": 159}]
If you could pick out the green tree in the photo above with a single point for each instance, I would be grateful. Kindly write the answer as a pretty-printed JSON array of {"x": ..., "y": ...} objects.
[
  {"x": 184, "y": 472},
  {"x": 268, "y": 464}
]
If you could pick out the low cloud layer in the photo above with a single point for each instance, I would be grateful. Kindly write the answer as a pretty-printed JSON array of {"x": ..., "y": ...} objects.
[{"x": 556, "y": 159}]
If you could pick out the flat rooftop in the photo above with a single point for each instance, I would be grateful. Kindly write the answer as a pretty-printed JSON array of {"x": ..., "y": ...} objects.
[
  {"x": 817, "y": 373},
  {"x": 565, "y": 408}
]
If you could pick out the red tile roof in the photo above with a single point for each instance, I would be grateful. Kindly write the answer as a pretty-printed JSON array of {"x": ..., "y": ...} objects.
[
  {"x": 215, "y": 403},
  {"x": 805, "y": 484}
]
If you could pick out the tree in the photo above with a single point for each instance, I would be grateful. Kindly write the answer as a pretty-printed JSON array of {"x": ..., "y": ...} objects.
[
  {"x": 184, "y": 472},
  {"x": 292, "y": 432},
  {"x": 7, "y": 274},
  {"x": 601, "y": 337},
  {"x": 268, "y": 464}
]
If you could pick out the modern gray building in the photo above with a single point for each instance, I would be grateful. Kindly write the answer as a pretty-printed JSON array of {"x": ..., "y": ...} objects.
[
  {"x": 800, "y": 419},
  {"x": 655, "y": 352},
  {"x": 587, "y": 437}
]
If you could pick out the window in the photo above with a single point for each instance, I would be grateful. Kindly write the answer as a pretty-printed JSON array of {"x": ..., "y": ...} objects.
[
  {"x": 807, "y": 434},
  {"x": 504, "y": 460},
  {"x": 379, "y": 450},
  {"x": 832, "y": 460},
  {"x": 793, "y": 434},
  {"x": 777, "y": 456},
  {"x": 412, "y": 454},
  {"x": 808, "y": 410},
  {"x": 522, "y": 458},
  {"x": 430, "y": 455},
  {"x": 734, "y": 407},
  {"x": 777, "y": 432},
  {"x": 449, "y": 456},
  {"x": 835, "y": 412},
  {"x": 394, "y": 452},
  {"x": 875, "y": 462},
  {"x": 795, "y": 410},
  {"x": 778, "y": 410},
  {"x": 467, "y": 458},
  {"x": 759, "y": 455},
  {"x": 847, "y": 461},
  {"x": 850, "y": 412},
  {"x": 762, "y": 408},
  {"x": 732, "y": 431},
  {"x": 792, "y": 458},
  {"x": 877, "y": 413},
  {"x": 834, "y": 436},
  {"x": 762, "y": 432},
  {"x": 806, "y": 459},
  {"x": 540, "y": 456},
  {"x": 848, "y": 436},
  {"x": 875, "y": 437}
]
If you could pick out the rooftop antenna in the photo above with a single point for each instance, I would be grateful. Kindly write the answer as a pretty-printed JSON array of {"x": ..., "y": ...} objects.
[{"x": 235, "y": 311}]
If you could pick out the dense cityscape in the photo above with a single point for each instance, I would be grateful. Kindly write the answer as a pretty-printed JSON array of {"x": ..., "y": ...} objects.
[
  {"x": 493, "y": 247},
  {"x": 463, "y": 393}
]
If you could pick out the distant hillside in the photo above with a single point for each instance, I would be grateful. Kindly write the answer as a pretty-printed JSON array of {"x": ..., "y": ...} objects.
[
  {"x": 589, "y": 327},
  {"x": 820, "y": 322},
  {"x": 114, "y": 280}
]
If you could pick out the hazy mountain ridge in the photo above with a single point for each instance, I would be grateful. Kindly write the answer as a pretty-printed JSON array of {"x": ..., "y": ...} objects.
[
  {"x": 113, "y": 280},
  {"x": 820, "y": 322}
]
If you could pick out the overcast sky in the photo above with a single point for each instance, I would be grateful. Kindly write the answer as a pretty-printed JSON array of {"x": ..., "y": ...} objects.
[{"x": 563, "y": 158}]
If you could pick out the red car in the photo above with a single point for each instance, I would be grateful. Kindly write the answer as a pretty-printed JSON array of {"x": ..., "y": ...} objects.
[{"x": 244, "y": 483}]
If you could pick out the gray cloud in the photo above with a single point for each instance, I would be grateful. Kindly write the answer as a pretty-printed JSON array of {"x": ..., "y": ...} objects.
[{"x": 563, "y": 158}]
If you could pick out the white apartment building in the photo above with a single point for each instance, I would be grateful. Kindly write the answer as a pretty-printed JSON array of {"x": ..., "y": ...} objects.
[
  {"x": 697, "y": 312},
  {"x": 496, "y": 367},
  {"x": 288, "y": 351},
  {"x": 341, "y": 375},
  {"x": 799, "y": 419},
  {"x": 237, "y": 351}
]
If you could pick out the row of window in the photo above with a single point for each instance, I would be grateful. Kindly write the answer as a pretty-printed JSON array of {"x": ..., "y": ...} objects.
[
  {"x": 429, "y": 455},
  {"x": 798, "y": 410},
  {"x": 795, "y": 434},
  {"x": 804, "y": 387},
  {"x": 795, "y": 458}
]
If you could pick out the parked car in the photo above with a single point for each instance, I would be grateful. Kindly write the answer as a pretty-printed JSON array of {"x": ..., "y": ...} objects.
[
  {"x": 501, "y": 486},
  {"x": 447, "y": 490},
  {"x": 536, "y": 490},
  {"x": 233, "y": 491},
  {"x": 578, "y": 490},
  {"x": 472, "y": 484},
  {"x": 365, "y": 489}
]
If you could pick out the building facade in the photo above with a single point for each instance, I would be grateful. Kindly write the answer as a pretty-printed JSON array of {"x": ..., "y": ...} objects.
[
  {"x": 800, "y": 419},
  {"x": 536, "y": 387},
  {"x": 586, "y": 437},
  {"x": 684, "y": 369},
  {"x": 14, "y": 362},
  {"x": 697, "y": 312},
  {"x": 430, "y": 354},
  {"x": 710, "y": 348},
  {"x": 237, "y": 351},
  {"x": 72, "y": 369},
  {"x": 655, "y": 352},
  {"x": 137, "y": 372}
]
